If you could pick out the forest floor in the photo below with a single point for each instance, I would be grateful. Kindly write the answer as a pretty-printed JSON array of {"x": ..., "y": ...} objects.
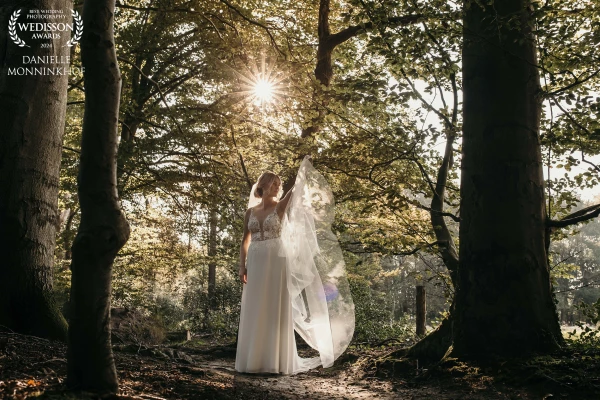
[{"x": 31, "y": 367}]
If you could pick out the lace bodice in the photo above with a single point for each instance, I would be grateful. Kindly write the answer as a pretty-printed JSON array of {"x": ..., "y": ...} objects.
[{"x": 270, "y": 228}]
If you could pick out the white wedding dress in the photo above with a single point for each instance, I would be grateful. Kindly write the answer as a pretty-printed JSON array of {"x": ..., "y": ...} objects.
[
  {"x": 296, "y": 282},
  {"x": 266, "y": 341}
]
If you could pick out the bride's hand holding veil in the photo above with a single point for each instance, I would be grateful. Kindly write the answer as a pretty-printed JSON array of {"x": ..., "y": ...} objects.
[{"x": 283, "y": 203}]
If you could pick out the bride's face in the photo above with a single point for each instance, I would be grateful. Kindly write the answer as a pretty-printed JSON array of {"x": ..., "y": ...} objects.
[{"x": 274, "y": 189}]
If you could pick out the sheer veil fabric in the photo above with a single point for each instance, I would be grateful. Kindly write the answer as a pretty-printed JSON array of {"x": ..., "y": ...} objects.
[{"x": 322, "y": 306}]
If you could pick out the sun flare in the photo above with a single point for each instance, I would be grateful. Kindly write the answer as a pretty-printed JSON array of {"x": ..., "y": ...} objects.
[
  {"x": 263, "y": 90},
  {"x": 261, "y": 85}
]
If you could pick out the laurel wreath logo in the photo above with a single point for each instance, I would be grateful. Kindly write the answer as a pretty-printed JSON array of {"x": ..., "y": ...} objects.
[
  {"x": 78, "y": 29},
  {"x": 12, "y": 29}
]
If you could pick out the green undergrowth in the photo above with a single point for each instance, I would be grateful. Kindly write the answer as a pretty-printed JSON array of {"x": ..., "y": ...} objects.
[{"x": 587, "y": 336}]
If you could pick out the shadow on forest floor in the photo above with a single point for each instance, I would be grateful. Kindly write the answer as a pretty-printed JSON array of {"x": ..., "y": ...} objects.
[{"x": 31, "y": 367}]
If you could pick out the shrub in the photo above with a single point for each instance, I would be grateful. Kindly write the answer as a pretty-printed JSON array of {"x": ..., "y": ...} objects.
[{"x": 131, "y": 326}]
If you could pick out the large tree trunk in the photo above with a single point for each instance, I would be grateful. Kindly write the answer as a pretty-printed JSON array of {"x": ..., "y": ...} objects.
[
  {"x": 504, "y": 302},
  {"x": 32, "y": 111},
  {"x": 103, "y": 229}
]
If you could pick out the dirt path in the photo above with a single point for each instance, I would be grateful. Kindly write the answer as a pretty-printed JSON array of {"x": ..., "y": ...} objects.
[
  {"x": 34, "y": 367},
  {"x": 31, "y": 367},
  {"x": 343, "y": 381},
  {"x": 215, "y": 377}
]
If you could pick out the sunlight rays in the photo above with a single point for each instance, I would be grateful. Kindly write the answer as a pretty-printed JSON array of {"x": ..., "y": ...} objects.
[{"x": 260, "y": 87}]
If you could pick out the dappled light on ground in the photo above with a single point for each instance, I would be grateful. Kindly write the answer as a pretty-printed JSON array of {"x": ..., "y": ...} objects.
[{"x": 37, "y": 367}]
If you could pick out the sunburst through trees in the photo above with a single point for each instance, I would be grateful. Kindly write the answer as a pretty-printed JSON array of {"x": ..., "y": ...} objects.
[{"x": 261, "y": 86}]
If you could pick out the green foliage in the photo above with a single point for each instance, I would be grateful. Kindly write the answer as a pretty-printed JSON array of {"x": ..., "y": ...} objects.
[
  {"x": 221, "y": 321},
  {"x": 384, "y": 293},
  {"x": 575, "y": 270},
  {"x": 566, "y": 46},
  {"x": 589, "y": 334},
  {"x": 373, "y": 320},
  {"x": 169, "y": 312}
]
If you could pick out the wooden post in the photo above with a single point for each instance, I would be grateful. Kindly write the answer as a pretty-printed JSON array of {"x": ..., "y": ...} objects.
[{"x": 421, "y": 310}]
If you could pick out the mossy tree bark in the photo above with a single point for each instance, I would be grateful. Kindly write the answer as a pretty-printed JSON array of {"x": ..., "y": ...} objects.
[
  {"x": 503, "y": 303},
  {"x": 32, "y": 111},
  {"x": 103, "y": 229}
]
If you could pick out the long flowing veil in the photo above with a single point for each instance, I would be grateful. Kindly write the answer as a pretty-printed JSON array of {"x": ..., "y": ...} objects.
[
  {"x": 253, "y": 201},
  {"x": 322, "y": 306}
]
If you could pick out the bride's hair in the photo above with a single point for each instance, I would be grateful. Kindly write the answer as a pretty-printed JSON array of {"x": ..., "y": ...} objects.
[{"x": 264, "y": 181}]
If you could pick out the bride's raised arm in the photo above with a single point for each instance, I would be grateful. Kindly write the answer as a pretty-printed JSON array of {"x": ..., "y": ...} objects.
[{"x": 283, "y": 203}]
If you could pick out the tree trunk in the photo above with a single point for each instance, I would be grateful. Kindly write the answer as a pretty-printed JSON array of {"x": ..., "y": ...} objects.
[
  {"x": 32, "y": 111},
  {"x": 212, "y": 265},
  {"x": 504, "y": 303},
  {"x": 103, "y": 229},
  {"x": 68, "y": 234},
  {"x": 420, "y": 311},
  {"x": 323, "y": 69}
]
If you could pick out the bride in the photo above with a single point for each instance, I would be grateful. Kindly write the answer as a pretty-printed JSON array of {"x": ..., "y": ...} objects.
[{"x": 294, "y": 277}]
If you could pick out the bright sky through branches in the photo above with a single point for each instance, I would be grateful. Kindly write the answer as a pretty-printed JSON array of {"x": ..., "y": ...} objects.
[{"x": 586, "y": 193}]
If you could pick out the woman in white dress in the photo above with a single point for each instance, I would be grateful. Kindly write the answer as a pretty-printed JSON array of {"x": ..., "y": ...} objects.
[{"x": 294, "y": 278}]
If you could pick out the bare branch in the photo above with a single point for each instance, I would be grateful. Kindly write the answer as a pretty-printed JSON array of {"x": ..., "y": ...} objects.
[
  {"x": 356, "y": 30},
  {"x": 568, "y": 114},
  {"x": 597, "y": 168},
  {"x": 593, "y": 283},
  {"x": 572, "y": 85},
  {"x": 576, "y": 217},
  {"x": 248, "y": 180},
  {"x": 377, "y": 249},
  {"x": 251, "y": 21},
  {"x": 425, "y": 175},
  {"x": 423, "y": 101}
]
